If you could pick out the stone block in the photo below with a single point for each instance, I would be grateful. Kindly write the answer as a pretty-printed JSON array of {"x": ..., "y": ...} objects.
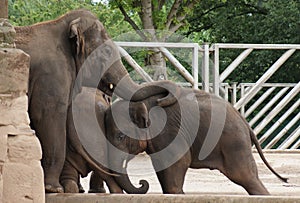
[
  {"x": 14, "y": 71},
  {"x": 13, "y": 111},
  {"x": 3, "y": 147},
  {"x": 24, "y": 148},
  {"x": 7, "y": 34},
  {"x": 15, "y": 130},
  {"x": 23, "y": 183},
  {"x": 1, "y": 182}
]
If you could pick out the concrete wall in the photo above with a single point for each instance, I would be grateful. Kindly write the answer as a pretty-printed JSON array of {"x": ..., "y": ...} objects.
[{"x": 21, "y": 174}]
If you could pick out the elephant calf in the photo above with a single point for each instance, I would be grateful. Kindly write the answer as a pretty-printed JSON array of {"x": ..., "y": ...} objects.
[
  {"x": 199, "y": 131},
  {"x": 85, "y": 129}
]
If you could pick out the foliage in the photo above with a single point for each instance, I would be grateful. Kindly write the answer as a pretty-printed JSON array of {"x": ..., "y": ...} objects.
[
  {"x": 162, "y": 17},
  {"x": 32, "y": 11},
  {"x": 250, "y": 21}
]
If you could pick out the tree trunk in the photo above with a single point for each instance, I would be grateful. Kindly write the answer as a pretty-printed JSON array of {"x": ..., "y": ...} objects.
[
  {"x": 4, "y": 9},
  {"x": 158, "y": 63},
  {"x": 156, "y": 60}
]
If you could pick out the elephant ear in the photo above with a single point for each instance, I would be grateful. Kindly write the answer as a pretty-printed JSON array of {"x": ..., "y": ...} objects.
[
  {"x": 139, "y": 114},
  {"x": 77, "y": 33}
]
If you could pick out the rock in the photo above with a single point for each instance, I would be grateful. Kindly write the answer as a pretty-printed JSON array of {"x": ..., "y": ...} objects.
[
  {"x": 14, "y": 71},
  {"x": 21, "y": 173},
  {"x": 1, "y": 181},
  {"x": 3, "y": 148},
  {"x": 7, "y": 34},
  {"x": 24, "y": 148},
  {"x": 14, "y": 111},
  {"x": 23, "y": 182}
]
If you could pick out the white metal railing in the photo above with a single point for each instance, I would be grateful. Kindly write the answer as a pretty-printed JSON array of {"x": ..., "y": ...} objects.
[
  {"x": 193, "y": 79},
  {"x": 239, "y": 94},
  {"x": 271, "y": 109},
  {"x": 274, "y": 98}
]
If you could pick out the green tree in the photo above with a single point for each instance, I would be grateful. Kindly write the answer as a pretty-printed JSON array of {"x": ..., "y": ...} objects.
[
  {"x": 156, "y": 20},
  {"x": 251, "y": 21},
  {"x": 32, "y": 11}
]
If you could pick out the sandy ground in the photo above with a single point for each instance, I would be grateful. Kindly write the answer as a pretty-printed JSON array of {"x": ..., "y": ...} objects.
[{"x": 204, "y": 181}]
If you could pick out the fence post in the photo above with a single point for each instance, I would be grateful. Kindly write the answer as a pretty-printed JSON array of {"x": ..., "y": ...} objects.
[
  {"x": 216, "y": 75},
  {"x": 195, "y": 65},
  {"x": 234, "y": 92},
  {"x": 205, "y": 68},
  {"x": 242, "y": 110}
]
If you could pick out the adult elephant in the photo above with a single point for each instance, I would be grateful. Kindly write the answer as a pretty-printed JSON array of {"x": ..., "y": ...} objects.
[
  {"x": 199, "y": 131},
  {"x": 75, "y": 45}
]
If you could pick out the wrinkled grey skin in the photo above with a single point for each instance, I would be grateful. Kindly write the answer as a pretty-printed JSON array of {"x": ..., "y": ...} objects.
[
  {"x": 78, "y": 162},
  {"x": 58, "y": 49},
  {"x": 232, "y": 154}
]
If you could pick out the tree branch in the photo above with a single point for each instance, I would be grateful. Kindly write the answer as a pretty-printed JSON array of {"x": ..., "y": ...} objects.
[
  {"x": 249, "y": 9},
  {"x": 181, "y": 16},
  {"x": 131, "y": 22},
  {"x": 172, "y": 13}
]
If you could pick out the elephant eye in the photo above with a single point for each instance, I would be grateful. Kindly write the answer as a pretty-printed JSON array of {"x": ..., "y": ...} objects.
[
  {"x": 120, "y": 136},
  {"x": 111, "y": 86}
]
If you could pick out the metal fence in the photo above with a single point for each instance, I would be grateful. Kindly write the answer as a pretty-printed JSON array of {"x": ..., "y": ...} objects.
[{"x": 271, "y": 109}]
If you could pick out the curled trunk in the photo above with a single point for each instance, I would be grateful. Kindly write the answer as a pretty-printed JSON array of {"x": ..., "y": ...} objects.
[
  {"x": 122, "y": 179},
  {"x": 124, "y": 182}
]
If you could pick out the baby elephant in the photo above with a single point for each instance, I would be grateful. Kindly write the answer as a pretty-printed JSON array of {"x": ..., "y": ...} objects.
[
  {"x": 200, "y": 130},
  {"x": 86, "y": 149}
]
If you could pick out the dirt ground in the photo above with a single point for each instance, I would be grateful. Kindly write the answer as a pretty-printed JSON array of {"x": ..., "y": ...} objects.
[{"x": 205, "y": 181}]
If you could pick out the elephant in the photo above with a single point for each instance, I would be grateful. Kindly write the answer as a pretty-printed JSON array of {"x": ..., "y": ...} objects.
[
  {"x": 78, "y": 162},
  {"x": 200, "y": 130},
  {"x": 67, "y": 53}
]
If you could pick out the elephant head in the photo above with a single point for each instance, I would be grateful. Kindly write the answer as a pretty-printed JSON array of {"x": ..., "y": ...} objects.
[
  {"x": 98, "y": 63},
  {"x": 122, "y": 148}
]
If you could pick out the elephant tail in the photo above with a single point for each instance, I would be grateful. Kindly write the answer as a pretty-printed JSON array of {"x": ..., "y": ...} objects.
[
  {"x": 75, "y": 142},
  {"x": 260, "y": 152},
  {"x": 80, "y": 150}
]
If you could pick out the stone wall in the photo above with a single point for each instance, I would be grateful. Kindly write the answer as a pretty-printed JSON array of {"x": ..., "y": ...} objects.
[{"x": 21, "y": 174}]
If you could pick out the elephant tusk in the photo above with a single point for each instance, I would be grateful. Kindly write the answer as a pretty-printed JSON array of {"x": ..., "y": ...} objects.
[
  {"x": 111, "y": 86},
  {"x": 124, "y": 163}
]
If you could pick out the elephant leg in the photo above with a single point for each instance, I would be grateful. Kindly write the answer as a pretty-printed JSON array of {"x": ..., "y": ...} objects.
[
  {"x": 242, "y": 170},
  {"x": 49, "y": 94},
  {"x": 96, "y": 183},
  {"x": 172, "y": 178},
  {"x": 69, "y": 178},
  {"x": 48, "y": 115},
  {"x": 52, "y": 135},
  {"x": 112, "y": 185}
]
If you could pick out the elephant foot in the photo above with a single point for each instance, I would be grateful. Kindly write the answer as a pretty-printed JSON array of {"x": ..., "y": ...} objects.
[
  {"x": 97, "y": 190},
  {"x": 53, "y": 189},
  {"x": 70, "y": 186}
]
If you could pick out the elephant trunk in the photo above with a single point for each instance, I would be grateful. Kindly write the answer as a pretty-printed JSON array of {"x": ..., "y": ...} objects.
[
  {"x": 116, "y": 79},
  {"x": 129, "y": 90},
  {"x": 125, "y": 183}
]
